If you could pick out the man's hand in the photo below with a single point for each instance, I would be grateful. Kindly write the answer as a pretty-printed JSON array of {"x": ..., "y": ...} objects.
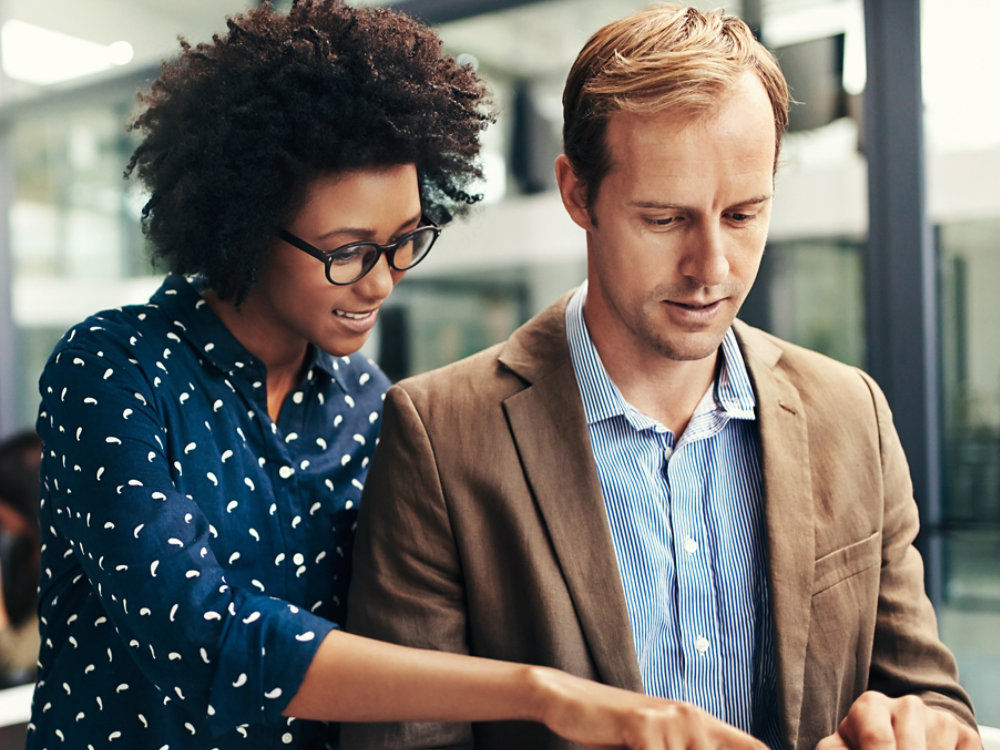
[{"x": 878, "y": 722}]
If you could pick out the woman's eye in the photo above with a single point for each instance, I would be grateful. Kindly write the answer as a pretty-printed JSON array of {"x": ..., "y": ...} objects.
[
  {"x": 342, "y": 257},
  {"x": 406, "y": 238}
]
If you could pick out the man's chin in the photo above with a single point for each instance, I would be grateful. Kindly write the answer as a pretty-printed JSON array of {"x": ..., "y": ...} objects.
[{"x": 691, "y": 347}]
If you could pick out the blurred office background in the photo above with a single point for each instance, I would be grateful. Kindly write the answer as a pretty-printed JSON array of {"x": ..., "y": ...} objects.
[{"x": 884, "y": 249}]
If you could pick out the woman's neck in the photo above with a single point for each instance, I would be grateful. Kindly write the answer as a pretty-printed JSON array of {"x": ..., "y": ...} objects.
[{"x": 283, "y": 358}]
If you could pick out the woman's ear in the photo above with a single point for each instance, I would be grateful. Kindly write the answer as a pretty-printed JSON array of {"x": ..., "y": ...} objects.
[{"x": 574, "y": 192}]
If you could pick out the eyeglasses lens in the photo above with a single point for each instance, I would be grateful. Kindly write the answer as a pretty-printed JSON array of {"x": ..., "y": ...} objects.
[
  {"x": 412, "y": 252},
  {"x": 348, "y": 265}
]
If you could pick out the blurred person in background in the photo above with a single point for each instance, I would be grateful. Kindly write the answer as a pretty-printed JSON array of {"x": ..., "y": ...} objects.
[
  {"x": 19, "y": 556},
  {"x": 204, "y": 453},
  {"x": 673, "y": 502}
]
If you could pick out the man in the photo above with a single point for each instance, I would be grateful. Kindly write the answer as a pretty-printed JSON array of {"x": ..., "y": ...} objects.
[{"x": 638, "y": 488}]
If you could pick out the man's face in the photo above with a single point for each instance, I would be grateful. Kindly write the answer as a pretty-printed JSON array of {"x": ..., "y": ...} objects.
[{"x": 677, "y": 229}]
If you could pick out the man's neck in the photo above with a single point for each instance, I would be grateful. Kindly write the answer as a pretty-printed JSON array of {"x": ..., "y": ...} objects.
[{"x": 666, "y": 390}]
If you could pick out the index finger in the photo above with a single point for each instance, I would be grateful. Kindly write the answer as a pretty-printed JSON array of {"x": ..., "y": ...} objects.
[
  {"x": 832, "y": 742},
  {"x": 728, "y": 737}
]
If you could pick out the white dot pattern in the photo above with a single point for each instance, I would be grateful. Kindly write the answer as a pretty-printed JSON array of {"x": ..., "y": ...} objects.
[{"x": 194, "y": 552}]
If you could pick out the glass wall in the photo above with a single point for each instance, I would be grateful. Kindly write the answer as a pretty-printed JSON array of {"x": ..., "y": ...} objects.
[
  {"x": 970, "y": 370},
  {"x": 810, "y": 291},
  {"x": 74, "y": 236},
  {"x": 963, "y": 146}
]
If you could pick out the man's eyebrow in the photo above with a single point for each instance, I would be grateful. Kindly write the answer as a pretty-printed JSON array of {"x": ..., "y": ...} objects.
[{"x": 755, "y": 200}]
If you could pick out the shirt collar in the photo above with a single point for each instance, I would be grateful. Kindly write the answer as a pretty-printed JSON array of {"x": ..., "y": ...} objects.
[
  {"x": 731, "y": 393},
  {"x": 179, "y": 298}
]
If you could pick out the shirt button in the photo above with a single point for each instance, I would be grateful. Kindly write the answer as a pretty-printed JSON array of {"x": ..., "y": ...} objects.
[
  {"x": 668, "y": 451},
  {"x": 690, "y": 546},
  {"x": 701, "y": 644}
]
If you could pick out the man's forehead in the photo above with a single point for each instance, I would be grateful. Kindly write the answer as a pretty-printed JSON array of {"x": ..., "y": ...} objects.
[{"x": 655, "y": 142}]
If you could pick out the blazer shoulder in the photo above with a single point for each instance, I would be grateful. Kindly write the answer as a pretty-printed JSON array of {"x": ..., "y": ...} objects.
[{"x": 820, "y": 379}]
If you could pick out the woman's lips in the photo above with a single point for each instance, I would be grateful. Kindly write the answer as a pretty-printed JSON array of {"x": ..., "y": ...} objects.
[{"x": 359, "y": 322}]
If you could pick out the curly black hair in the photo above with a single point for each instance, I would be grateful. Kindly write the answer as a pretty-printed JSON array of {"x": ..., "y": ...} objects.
[{"x": 235, "y": 130}]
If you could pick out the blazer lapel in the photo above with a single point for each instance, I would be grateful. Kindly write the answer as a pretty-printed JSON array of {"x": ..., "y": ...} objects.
[
  {"x": 788, "y": 513},
  {"x": 550, "y": 430}
]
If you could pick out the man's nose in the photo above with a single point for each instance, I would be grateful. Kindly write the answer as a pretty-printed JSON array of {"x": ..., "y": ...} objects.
[{"x": 705, "y": 260}]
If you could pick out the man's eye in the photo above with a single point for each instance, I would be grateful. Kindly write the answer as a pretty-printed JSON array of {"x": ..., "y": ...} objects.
[
  {"x": 739, "y": 217},
  {"x": 664, "y": 221}
]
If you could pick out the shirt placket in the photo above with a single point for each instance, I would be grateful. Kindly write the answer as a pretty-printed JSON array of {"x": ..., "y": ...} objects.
[
  {"x": 658, "y": 572},
  {"x": 698, "y": 619}
]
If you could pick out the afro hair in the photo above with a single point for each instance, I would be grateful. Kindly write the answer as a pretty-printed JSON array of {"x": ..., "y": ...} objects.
[{"x": 233, "y": 131}]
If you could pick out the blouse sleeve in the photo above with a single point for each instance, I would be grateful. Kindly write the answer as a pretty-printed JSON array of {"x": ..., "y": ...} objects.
[{"x": 232, "y": 655}]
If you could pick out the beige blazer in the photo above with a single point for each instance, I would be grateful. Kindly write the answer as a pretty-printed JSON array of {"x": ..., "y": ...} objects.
[{"x": 482, "y": 530}]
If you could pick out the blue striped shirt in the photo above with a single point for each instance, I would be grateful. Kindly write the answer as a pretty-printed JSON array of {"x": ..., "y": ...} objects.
[{"x": 687, "y": 525}]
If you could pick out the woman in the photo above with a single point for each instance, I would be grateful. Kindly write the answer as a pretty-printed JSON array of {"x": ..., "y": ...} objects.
[{"x": 204, "y": 453}]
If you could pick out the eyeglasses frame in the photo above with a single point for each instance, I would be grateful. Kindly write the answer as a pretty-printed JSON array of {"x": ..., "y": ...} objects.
[{"x": 327, "y": 256}]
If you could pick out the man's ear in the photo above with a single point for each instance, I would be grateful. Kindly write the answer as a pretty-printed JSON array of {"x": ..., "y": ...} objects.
[{"x": 573, "y": 192}]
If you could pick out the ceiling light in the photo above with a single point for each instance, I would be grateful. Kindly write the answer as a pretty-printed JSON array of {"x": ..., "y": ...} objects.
[{"x": 41, "y": 56}]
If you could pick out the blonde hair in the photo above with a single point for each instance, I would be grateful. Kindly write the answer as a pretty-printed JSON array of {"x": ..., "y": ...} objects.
[{"x": 664, "y": 58}]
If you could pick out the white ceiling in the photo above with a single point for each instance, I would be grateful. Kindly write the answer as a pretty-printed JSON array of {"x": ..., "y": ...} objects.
[{"x": 537, "y": 40}]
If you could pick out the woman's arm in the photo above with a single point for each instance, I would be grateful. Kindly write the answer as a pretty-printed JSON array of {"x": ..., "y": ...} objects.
[
  {"x": 140, "y": 542},
  {"x": 358, "y": 679}
]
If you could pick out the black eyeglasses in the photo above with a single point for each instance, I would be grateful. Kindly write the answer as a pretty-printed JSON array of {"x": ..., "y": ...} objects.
[{"x": 349, "y": 263}]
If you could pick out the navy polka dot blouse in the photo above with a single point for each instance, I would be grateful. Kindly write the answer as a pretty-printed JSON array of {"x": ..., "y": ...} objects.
[{"x": 195, "y": 553}]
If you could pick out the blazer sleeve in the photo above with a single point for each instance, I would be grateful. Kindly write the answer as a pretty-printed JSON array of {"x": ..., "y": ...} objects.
[
  {"x": 407, "y": 585},
  {"x": 908, "y": 657}
]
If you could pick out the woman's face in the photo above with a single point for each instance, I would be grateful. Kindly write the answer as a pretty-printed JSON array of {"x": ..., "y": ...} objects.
[{"x": 292, "y": 302}]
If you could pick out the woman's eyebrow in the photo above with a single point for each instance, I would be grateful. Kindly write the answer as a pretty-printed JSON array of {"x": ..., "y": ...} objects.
[{"x": 368, "y": 232}]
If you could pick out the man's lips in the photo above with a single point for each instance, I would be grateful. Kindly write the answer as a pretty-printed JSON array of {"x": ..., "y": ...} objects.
[
  {"x": 694, "y": 314},
  {"x": 696, "y": 305}
]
